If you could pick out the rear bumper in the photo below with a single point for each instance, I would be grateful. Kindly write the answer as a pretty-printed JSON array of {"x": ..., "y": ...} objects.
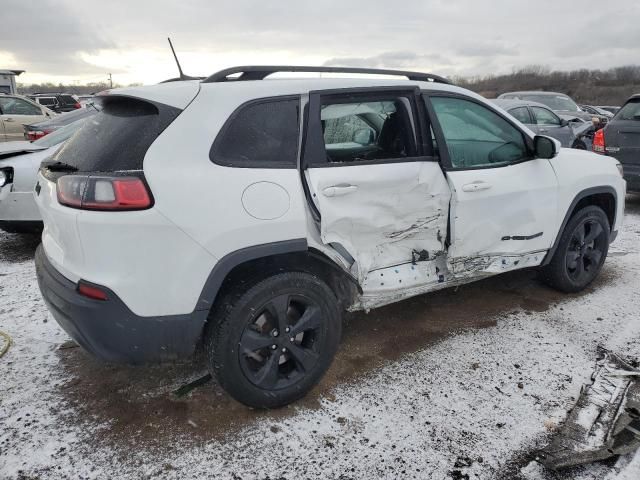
[
  {"x": 108, "y": 329},
  {"x": 632, "y": 176}
]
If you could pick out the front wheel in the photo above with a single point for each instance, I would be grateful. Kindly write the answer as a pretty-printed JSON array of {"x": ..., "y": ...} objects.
[
  {"x": 581, "y": 251},
  {"x": 269, "y": 345}
]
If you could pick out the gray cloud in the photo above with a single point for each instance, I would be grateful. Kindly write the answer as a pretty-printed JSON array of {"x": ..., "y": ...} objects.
[{"x": 465, "y": 37}]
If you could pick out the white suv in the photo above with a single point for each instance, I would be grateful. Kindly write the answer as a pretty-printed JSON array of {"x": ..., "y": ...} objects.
[{"x": 246, "y": 213}]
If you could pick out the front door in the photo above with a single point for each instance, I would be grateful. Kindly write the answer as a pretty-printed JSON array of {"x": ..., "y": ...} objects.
[
  {"x": 549, "y": 124},
  {"x": 377, "y": 191},
  {"x": 504, "y": 201}
]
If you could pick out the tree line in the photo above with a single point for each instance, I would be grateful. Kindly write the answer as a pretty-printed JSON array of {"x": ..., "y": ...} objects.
[{"x": 591, "y": 87}]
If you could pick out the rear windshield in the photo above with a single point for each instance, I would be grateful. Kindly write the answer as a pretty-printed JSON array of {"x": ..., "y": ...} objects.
[
  {"x": 117, "y": 137},
  {"x": 631, "y": 111},
  {"x": 67, "y": 99}
]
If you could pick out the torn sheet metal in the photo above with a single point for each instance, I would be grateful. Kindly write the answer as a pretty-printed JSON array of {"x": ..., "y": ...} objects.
[
  {"x": 605, "y": 421},
  {"x": 389, "y": 211},
  {"x": 491, "y": 264}
]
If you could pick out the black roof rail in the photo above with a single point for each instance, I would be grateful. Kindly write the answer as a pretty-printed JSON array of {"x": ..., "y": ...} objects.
[{"x": 253, "y": 72}]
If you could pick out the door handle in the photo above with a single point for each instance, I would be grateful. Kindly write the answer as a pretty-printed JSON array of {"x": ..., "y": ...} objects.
[
  {"x": 476, "y": 186},
  {"x": 339, "y": 190},
  {"x": 8, "y": 119},
  {"x": 543, "y": 130}
]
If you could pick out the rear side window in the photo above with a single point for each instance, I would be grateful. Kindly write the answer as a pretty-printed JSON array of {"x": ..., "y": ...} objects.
[
  {"x": 68, "y": 100},
  {"x": 117, "y": 137},
  {"x": 545, "y": 117},
  {"x": 261, "y": 134},
  {"x": 631, "y": 111},
  {"x": 522, "y": 114}
]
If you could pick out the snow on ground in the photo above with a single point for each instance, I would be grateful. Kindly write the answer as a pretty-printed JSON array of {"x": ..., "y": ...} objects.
[{"x": 476, "y": 404}]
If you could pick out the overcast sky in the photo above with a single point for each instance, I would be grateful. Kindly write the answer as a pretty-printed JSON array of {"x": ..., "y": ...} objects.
[{"x": 81, "y": 41}]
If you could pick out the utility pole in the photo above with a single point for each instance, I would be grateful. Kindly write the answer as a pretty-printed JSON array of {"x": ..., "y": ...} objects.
[{"x": 110, "y": 81}]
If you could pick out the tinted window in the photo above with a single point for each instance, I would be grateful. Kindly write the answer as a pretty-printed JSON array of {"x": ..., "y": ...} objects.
[
  {"x": 545, "y": 117},
  {"x": 522, "y": 114},
  {"x": 263, "y": 134},
  {"x": 554, "y": 102},
  {"x": 17, "y": 106},
  {"x": 477, "y": 136},
  {"x": 47, "y": 101},
  {"x": 118, "y": 137},
  {"x": 368, "y": 130},
  {"x": 67, "y": 100},
  {"x": 631, "y": 111}
]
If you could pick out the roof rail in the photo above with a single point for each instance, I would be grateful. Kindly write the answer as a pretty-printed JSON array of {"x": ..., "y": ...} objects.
[{"x": 253, "y": 72}]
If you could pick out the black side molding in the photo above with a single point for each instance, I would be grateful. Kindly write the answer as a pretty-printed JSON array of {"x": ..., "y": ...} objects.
[
  {"x": 233, "y": 259},
  {"x": 522, "y": 237},
  {"x": 583, "y": 194}
]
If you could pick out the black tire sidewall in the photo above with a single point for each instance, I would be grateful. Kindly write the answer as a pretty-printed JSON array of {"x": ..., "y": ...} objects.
[
  {"x": 222, "y": 342},
  {"x": 557, "y": 270}
]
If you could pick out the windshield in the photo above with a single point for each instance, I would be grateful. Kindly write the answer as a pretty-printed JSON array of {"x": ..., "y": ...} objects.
[
  {"x": 554, "y": 102},
  {"x": 60, "y": 135},
  {"x": 631, "y": 111}
]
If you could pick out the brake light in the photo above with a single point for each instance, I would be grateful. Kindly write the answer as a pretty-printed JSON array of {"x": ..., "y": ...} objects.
[
  {"x": 598, "y": 142},
  {"x": 103, "y": 193},
  {"x": 36, "y": 134},
  {"x": 77, "y": 105},
  {"x": 91, "y": 291}
]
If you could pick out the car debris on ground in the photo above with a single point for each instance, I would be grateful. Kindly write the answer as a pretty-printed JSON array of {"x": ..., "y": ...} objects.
[{"x": 605, "y": 421}]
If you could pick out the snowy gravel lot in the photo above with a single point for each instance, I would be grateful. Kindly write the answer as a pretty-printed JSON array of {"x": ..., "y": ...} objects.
[{"x": 460, "y": 384}]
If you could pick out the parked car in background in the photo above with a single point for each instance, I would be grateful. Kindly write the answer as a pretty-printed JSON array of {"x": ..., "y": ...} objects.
[
  {"x": 19, "y": 163},
  {"x": 559, "y": 103},
  {"x": 541, "y": 120},
  {"x": 16, "y": 111},
  {"x": 596, "y": 111},
  {"x": 401, "y": 187},
  {"x": 621, "y": 140},
  {"x": 58, "y": 102},
  {"x": 609, "y": 108},
  {"x": 86, "y": 100},
  {"x": 38, "y": 130}
]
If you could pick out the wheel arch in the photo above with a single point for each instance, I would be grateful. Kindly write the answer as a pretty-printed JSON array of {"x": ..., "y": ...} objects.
[
  {"x": 604, "y": 197},
  {"x": 251, "y": 264}
]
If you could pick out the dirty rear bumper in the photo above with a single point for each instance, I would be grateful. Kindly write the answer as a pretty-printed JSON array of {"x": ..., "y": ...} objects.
[{"x": 109, "y": 329}]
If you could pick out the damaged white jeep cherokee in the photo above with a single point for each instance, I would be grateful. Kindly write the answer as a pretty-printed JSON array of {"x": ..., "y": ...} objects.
[{"x": 246, "y": 213}]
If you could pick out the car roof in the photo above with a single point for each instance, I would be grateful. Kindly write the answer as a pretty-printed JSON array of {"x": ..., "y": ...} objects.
[
  {"x": 180, "y": 93},
  {"x": 535, "y": 92},
  {"x": 506, "y": 103}
]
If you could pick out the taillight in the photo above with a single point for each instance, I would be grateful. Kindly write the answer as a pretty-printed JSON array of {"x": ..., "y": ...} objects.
[
  {"x": 77, "y": 105},
  {"x": 91, "y": 291},
  {"x": 36, "y": 134},
  {"x": 598, "y": 142},
  {"x": 103, "y": 193}
]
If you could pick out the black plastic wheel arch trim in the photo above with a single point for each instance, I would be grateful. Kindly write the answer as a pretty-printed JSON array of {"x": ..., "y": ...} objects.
[{"x": 583, "y": 194}]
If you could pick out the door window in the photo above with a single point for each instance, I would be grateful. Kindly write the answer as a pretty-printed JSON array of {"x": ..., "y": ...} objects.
[
  {"x": 368, "y": 129},
  {"x": 522, "y": 114},
  {"x": 17, "y": 106},
  {"x": 477, "y": 136},
  {"x": 545, "y": 117}
]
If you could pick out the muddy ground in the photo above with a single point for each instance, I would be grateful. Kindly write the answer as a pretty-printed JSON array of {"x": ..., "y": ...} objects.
[{"x": 114, "y": 409}]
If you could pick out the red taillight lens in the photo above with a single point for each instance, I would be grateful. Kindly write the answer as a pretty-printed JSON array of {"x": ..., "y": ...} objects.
[
  {"x": 77, "y": 105},
  {"x": 103, "y": 193},
  {"x": 36, "y": 134},
  {"x": 92, "y": 292},
  {"x": 598, "y": 142}
]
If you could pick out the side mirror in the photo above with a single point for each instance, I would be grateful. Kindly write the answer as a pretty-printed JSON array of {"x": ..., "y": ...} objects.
[
  {"x": 363, "y": 136},
  {"x": 545, "y": 147},
  {"x": 564, "y": 122}
]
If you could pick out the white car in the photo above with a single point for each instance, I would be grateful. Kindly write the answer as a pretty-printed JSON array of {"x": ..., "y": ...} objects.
[
  {"x": 19, "y": 164},
  {"x": 247, "y": 213},
  {"x": 16, "y": 111}
]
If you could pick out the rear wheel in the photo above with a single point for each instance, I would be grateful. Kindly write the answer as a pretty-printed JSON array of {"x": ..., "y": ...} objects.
[
  {"x": 581, "y": 251},
  {"x": 269, "y": 345}
]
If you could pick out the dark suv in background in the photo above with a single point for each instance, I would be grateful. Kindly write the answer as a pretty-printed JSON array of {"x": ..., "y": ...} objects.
[
  {"x": 621, "y": 139},
  {"x": 58, "y": 102}
]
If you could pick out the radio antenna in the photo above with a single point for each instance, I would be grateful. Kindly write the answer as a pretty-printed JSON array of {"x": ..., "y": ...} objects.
[{"x": 182, "y": 75}]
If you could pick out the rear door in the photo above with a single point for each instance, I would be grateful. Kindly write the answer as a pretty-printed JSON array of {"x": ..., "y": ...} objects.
[
  {"x": 375, "y": 187},
  {"x": 523, "y": 115},
  {"x": 622, "y": 137},
  {"x": 548, "y": 123},
  {"x": 503, "y": 207}
]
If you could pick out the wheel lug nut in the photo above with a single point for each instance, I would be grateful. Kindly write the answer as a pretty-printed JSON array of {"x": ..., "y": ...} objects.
[
  {"x": 273, "y": 347},
  {"x": 284, "y": 350},
  {"x": 275, "y": 333},
  {"x": 292, "y": 339},
  {"x": 287, "y": 329}
]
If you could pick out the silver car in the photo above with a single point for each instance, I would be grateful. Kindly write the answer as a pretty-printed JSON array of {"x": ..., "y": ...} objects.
[{"x": 569, "y": 130}]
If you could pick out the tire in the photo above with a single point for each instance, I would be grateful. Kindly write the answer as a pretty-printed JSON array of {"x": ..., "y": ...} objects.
[
  {"x": 581, "y": 251},
  {"x": 247, "y": 325}
]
